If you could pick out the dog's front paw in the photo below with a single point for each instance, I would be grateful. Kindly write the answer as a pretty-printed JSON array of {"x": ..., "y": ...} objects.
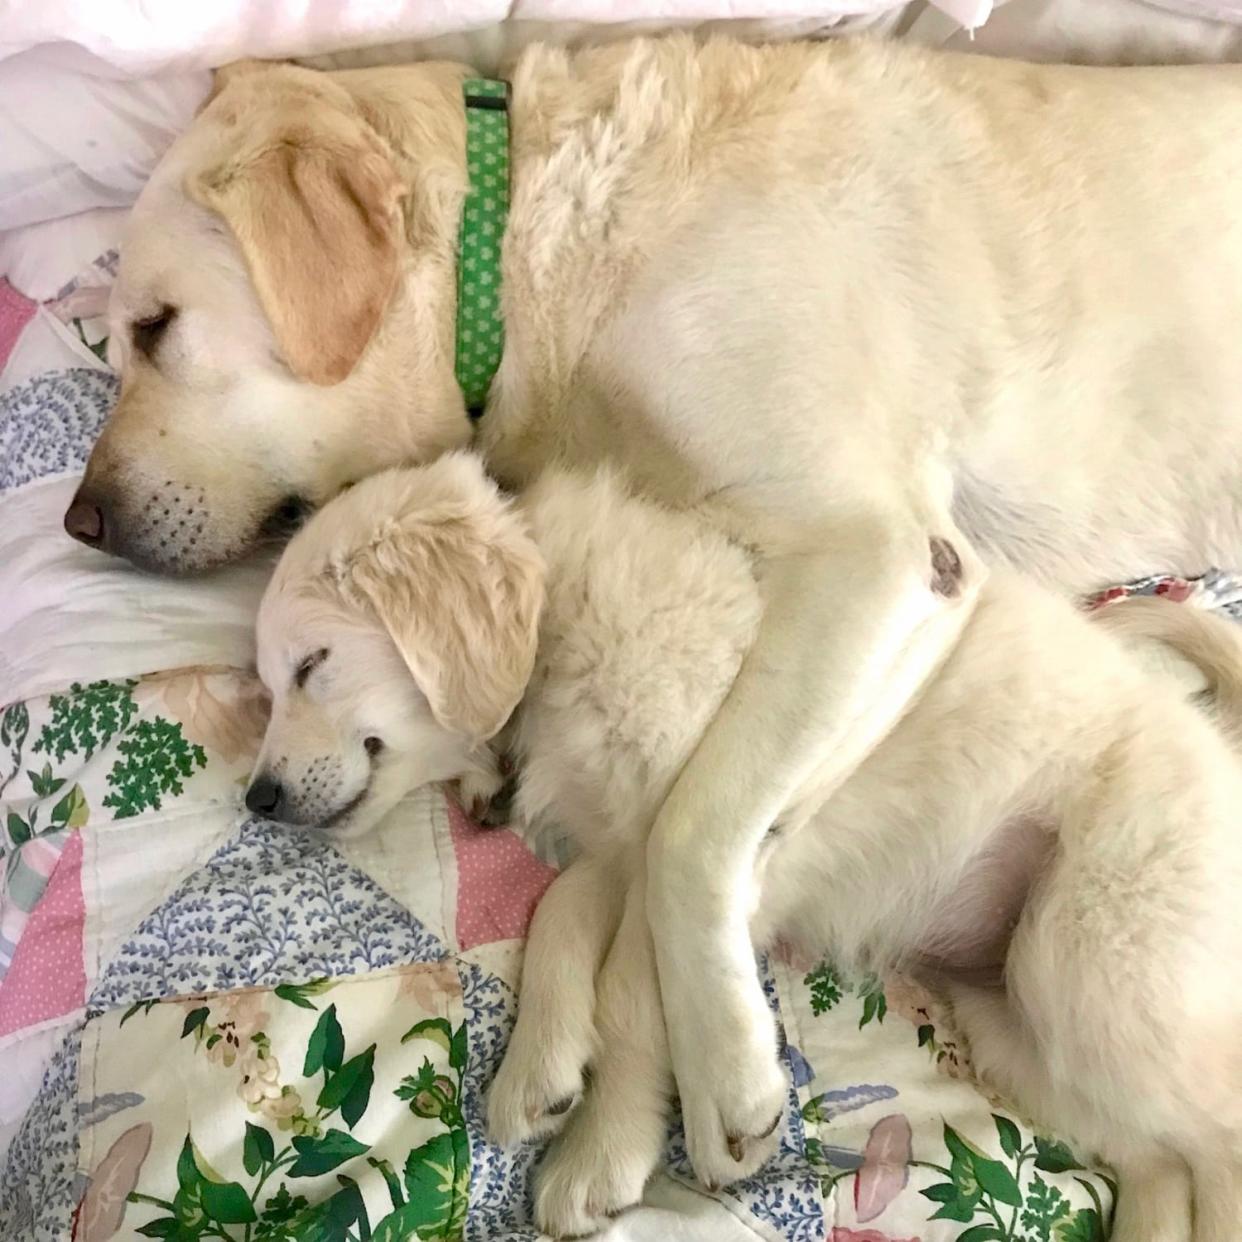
[
  {"x": 482, "y": 796},
  {"x": 498, "y": 813},
  {"x": 733, "y": 1115},
  {"x": 534, "y": 1090},
  {"x": 592, "y": 1173}
]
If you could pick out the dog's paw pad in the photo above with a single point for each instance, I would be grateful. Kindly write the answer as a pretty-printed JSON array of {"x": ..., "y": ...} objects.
[
  {"x": 584, "y": 1184},
  {"x": 531, "y": 1100},
  {"x": 729, "y": 1139}
]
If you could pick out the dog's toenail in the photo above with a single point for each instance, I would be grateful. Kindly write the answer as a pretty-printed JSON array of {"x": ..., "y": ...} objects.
[
  {"x": 561, "y": 1106},
  {"x": 776, "y": 1121},
  {"x": 736, "y": 1146}
]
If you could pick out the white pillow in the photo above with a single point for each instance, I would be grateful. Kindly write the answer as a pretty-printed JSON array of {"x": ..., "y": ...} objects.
[
  {"x": 1106, "y": 32},
  {"x": 42, "y": 259},
  {"x": 73, "y": 142}
]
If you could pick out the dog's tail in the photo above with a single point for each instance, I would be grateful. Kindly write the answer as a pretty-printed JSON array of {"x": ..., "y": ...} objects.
[{"x": 1210, "y": 643}]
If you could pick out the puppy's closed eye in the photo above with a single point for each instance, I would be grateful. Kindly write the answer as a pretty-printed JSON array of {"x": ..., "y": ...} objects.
[{"x": 308, "y": 666}]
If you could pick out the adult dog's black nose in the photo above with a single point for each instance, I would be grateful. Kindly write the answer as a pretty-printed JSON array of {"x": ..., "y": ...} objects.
[
  {"x": 84, "y": 520},
  {"x": 266, "y": 797}
]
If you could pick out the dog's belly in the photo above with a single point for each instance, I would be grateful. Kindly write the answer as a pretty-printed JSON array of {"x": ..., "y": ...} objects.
[{"x": 969, "y": 933}]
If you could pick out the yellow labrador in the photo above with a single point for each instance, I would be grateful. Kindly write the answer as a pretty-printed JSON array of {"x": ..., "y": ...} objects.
[
  {"x": 880, "y": 315},
  {"x": 1049, "y": 830}
]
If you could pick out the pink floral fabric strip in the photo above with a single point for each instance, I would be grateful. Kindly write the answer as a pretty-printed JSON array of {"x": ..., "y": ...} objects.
[{"x": 16, "y": 312}]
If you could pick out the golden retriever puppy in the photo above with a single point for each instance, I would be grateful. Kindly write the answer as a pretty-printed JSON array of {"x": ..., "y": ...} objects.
[
  {"x": 877, "y": 313},
  {"x": 1049, "y": 831},
  {"x": 353, "y": 609}
]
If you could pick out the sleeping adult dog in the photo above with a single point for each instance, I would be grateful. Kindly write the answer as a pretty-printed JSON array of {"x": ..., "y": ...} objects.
[{"x": 877, "y": 314}]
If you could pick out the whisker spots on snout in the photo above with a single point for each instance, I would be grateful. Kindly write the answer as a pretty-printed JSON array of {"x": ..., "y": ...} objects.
[{"x": 173, "y": 519}]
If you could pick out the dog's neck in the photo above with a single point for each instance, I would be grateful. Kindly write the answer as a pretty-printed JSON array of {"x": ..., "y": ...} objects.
[
  {"x": 583, "y": 149},
  {"x": 408, "y": 401},
  {"x": 590, "y": 154},
  {"x": 548, "y": 252}
]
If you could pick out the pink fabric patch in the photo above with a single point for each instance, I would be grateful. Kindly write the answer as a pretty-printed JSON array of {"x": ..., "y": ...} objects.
[
  {"x": 499, "y": 882},
  {"x": 39, "y": 857},
  {"x": 16, "y": 312},
  {"x": 863, "y": 1235},
  {"x": 47, "y": 978}
]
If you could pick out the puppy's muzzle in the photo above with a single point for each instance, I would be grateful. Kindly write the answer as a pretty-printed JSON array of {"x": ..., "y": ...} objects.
[{"x": 266, "y": 797}]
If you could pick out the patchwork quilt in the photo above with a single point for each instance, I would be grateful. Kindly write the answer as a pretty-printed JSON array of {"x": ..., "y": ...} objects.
[{"x": 214, "y": 1028}]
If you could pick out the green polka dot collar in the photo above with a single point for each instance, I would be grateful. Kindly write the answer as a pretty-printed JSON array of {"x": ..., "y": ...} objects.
[{"x": 480, "y": 328}]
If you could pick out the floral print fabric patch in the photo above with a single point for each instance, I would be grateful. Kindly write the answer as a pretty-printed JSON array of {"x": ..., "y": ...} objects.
[{"x": 320, "y": 1110}]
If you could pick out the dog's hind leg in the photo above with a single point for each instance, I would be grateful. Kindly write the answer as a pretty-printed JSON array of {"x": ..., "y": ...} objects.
[
  {"x": 554, "y": 1039},
  {"x": 1001, "y": 1053},
  {"x": 600, "y": 1162},
  {"x": 1153, "y": 1202},
  {"x": 1217, "y": 1181},
  {"x": 1153, "y": 1199}
]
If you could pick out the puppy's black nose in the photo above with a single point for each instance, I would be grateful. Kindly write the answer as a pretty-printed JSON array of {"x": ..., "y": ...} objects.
[{"x": 266, "y": 797}]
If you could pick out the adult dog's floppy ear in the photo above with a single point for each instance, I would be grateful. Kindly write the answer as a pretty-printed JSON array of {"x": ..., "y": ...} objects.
[
  {"x": 460, "y": 593},
  {"x": 224, "y": 74},
  {"x": 315, "y": 210}
]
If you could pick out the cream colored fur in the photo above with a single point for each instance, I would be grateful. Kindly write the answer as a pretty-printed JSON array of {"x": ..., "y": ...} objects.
[
  {"x": 413, "y": 624},
  {"x": 1040, "y": 756},
  {"x": 836, "y": 300}
]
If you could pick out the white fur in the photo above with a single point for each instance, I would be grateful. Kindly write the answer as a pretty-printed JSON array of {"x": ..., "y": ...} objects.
[
  {"x": 1123, "y": 975},
  {"x": 836, "y": 300}
]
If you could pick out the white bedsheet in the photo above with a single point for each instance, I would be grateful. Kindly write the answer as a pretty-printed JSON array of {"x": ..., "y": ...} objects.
[
  {"x": 140, "y": 37},
  {"x": 133, "y": 38}
]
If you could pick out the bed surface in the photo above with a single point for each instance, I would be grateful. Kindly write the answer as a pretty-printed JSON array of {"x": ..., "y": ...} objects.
[
  {"x": 214, "y": 1027},
  {"x": 212, "y": 1013}
]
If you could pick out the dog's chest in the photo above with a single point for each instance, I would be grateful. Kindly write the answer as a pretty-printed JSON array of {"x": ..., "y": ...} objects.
[{"x": 588, "y": 427}]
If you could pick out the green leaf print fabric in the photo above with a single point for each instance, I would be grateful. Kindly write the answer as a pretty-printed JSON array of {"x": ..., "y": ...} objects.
[{"x": 289, "y": 1117}]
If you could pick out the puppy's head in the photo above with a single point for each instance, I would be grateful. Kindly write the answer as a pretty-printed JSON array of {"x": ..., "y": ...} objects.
[
  {"x": 396, "y": 637},
  {"x": 251, "y": 325}
]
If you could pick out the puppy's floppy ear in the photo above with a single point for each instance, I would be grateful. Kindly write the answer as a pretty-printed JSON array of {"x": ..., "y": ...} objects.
[
  {"x": 460, "y": 593},
  {"x": 315, "y": 210}
]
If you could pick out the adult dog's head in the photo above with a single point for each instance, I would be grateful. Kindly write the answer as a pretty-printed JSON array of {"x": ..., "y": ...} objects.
[
  {"x": 397, "y": 635},
  {"x": 282, "y": 320}
]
